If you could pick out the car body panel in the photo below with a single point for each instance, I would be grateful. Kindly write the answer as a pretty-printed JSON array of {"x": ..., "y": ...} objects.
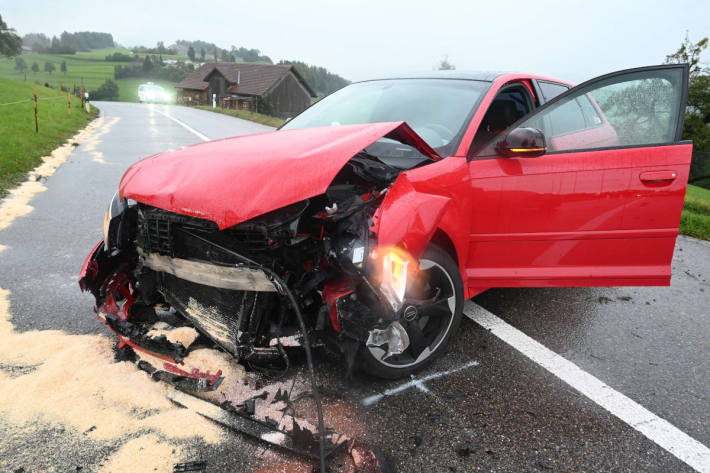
[
  {"x": 232, "y": 180},
  {"x": 408, "y": 217},
  {"x": 571, "y": 219}
]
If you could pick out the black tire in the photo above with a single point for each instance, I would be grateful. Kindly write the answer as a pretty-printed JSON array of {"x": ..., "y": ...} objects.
[{"x": 395, "y": 369}]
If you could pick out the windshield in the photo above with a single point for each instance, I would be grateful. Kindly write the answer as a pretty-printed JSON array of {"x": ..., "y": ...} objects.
[{"x": 437, "y": 109}]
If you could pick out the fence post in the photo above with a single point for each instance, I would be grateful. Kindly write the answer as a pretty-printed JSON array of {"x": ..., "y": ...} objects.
[
  {"x": 68, "y": 103},
  {"x": 34, "y": 93},
  {"x": 81, "y": 92}
]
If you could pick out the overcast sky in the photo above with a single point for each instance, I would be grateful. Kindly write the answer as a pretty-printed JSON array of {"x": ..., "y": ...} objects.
[{"x": 359, "y": 39}]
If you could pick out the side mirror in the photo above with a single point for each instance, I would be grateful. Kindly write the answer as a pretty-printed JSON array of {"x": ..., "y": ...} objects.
[{"x": 523, "y": 143}]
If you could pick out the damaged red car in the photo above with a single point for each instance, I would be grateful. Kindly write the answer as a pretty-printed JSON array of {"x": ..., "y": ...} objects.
[{"x": 369, "y": 218}]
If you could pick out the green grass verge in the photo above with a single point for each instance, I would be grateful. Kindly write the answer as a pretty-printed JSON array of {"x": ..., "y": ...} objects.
[
  {"x": 695, "y": 220},
  {"x": 243, "y": 114},
  {"x": 21, "y": 148}
]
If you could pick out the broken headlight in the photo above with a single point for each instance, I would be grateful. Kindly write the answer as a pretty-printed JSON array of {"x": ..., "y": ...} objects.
[{"x": 115, "y": 209}]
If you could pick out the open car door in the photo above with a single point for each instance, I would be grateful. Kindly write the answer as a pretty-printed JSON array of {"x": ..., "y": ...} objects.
[{"x": 597, "y": 200}]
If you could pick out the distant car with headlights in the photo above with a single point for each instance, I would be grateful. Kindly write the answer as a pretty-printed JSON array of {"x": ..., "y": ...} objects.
[
  {"x": 375, "y": 213},
  {"x": 152, "y": 93}
]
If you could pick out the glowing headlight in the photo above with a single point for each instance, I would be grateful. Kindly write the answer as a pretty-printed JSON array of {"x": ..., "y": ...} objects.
[{"x": 394, "y": 277}]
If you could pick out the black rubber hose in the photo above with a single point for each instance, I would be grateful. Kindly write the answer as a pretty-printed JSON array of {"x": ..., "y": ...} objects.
[
  {"x": 283, "y": 288},
  {"x": 311, "y": 369}
]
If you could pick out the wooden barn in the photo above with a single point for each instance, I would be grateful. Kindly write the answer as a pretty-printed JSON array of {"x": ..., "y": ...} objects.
[{"x": 275, "y": 89}]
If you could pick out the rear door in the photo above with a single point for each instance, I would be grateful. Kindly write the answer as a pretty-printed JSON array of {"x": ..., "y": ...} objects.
[{"x": 602, "y": 206}]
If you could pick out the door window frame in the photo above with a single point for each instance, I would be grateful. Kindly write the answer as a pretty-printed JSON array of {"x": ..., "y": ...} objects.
[{"x": 679, "y": 121}]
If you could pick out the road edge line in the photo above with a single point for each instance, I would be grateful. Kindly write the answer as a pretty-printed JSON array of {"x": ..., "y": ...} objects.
[
  {"x": 184, "y": 125},
  {"x": 658, "y": 430}
]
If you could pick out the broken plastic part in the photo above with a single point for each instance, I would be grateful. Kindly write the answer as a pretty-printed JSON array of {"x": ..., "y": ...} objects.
[
  {"x": 189, "y": 466},
  {"x": 394, "y": 336},
  {"x": 298, "y": 438},
  {"x": 358, "y": 255},
  {"x": 235, "y": 278},
  {"x": 331, "y": 210}
]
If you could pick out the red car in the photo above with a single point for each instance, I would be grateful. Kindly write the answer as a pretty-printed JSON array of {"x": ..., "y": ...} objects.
[{"x": 367, "y": 220}]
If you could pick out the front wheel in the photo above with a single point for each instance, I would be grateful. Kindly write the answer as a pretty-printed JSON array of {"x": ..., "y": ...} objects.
[{"x": 430, "y": 326}]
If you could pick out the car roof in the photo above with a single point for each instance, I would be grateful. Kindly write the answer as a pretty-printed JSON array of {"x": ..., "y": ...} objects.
[{"x": 487, "y": 76}]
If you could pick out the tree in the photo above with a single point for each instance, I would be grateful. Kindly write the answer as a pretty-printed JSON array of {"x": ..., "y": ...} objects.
[
  {"x": 63, "y": 67},
  {"x": 107, "y": 90},
  {"x": 322, "y": 81},
  {"x": 689, "y": 52},
  {"x": 20, "y": 64},
  {"x": 35, "y": 67},
  {"x": 10, "y": 43},
  {"x": 202, "y": 54},
  {"x": 49, "y": 67},
  {"x": 58, "y": 46},
  {"x": 36, "y": 41},
  {"x": 147, "y": 64},
  {"x": 191, "y": 53},
  {"x": 696, "y": 126},
  {"x": 445, "y": 65}
]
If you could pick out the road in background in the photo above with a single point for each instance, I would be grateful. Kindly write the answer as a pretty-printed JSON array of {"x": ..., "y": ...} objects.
[{"x": 485, "y": 406}]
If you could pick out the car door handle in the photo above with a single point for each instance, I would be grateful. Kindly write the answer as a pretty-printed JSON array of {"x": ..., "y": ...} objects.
[{"x": 658, "y": 176}]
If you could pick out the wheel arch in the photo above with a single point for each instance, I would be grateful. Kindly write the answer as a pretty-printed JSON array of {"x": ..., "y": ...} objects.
[{"x": 443, "y": 241}]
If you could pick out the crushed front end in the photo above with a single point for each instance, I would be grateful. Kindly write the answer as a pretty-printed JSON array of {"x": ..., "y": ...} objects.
[{"x": 158, "y": 273}]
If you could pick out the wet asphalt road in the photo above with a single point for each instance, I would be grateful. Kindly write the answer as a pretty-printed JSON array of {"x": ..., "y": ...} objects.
[{"x": 505, "y": 413}]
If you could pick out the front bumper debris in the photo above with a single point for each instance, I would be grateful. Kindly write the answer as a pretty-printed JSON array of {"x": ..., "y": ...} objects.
[
  {"x": 286, "y": 432},
  {"x": 264, "y": 413}
]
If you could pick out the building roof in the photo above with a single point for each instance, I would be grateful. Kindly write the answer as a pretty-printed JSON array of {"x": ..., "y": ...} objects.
[{"x": 254, "y": 79}]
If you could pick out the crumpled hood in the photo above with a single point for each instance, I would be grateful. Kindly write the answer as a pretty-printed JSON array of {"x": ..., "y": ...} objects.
[{"x": 232, "y": 180}]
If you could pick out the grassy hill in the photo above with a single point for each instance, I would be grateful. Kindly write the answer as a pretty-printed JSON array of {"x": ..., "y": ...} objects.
[
  {"x": 89, "y": 69},
  {"x": 20, "y": 147}
]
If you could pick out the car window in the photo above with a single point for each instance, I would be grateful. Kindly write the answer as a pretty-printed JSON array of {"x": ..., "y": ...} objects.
[
  {"x": 509, "y": 106},
  {"x": 636, "y": 108},
  {"x": 437, "y": 109},
  {"x": 574, "y": 115},
  {"x": 551, "y": 90}
]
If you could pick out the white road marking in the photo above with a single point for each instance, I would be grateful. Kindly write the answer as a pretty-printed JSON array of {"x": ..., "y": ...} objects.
[
  {"x": 415, "y": 383},
  {"x": 658, "y": 430},
  {"x": 184, "y": 125}
]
